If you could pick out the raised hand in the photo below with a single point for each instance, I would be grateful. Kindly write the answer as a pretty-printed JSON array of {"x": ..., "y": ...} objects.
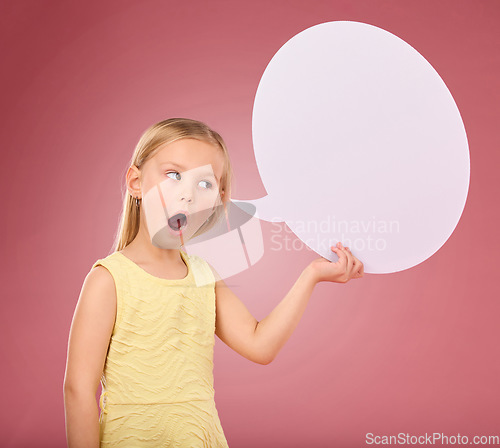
[{"x": 346, "y": 268}]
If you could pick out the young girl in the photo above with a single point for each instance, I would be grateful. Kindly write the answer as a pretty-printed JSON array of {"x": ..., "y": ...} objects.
[{"x": 144, "y": 324}]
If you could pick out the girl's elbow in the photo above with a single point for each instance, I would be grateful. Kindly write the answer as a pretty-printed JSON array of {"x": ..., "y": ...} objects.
[
  {"x": 266, "y": 361},
  {"x": 261, "y": 361},
  {"x": 264, "y": 358},
  {"x": 257, "y": 358},
  {"x": 262, "y": 352},
  {"x": 74, "y": 391}
]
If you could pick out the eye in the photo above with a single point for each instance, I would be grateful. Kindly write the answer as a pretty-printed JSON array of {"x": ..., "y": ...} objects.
[
  {"x": 206, "y": 182},
  {"x": 177, "y": 175}
]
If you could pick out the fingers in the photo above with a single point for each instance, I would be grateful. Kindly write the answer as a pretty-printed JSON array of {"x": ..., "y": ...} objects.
[
  {"x": 345, "y": 260},
  {"x": 341, "y": 253},
  {"x": 350, "y": 263},
  {"x": 358, "y": 269},
  {"x": 346, "y": 256},
  {"x": 357, "y": 266}
]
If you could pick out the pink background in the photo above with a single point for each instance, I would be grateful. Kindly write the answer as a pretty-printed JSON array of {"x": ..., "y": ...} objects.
[{"x": 413, "y": 352}]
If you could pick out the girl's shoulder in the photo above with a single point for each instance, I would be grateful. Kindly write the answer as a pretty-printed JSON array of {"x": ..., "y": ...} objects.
[{"x": 108, "y": 261}]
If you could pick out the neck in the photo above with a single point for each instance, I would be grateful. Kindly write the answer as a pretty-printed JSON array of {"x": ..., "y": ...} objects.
[{"x": 142, "y": 246}]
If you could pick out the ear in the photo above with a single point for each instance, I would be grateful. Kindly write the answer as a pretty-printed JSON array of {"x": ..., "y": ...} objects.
[{"x": 133, "y": 179}]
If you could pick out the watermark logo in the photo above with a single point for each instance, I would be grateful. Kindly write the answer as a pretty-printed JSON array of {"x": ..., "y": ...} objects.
[{"x": 358, "y": 235}]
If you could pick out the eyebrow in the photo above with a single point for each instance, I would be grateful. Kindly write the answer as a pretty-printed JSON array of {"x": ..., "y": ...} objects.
[
  {"x": 172, "y": 163},
  {"x": 206, "y": 173}
]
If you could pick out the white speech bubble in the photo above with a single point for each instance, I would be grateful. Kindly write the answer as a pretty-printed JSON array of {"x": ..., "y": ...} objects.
[{"x": 357, "y": 139}]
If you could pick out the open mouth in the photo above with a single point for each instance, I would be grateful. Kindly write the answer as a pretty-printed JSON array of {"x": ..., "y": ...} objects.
[{"x": 178, "y": 221}]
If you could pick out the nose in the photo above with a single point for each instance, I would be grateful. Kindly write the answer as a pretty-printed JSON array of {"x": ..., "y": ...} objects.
[{"x": 187, "y": 193}]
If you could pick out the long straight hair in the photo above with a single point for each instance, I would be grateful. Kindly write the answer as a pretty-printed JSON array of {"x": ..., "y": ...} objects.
[{"x": 168, "y": 131}]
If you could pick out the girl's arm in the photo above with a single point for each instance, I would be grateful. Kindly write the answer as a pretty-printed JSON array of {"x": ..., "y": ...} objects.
[
  {"x": 261, "y": 341},
  {"x": 89, "y": 337}
]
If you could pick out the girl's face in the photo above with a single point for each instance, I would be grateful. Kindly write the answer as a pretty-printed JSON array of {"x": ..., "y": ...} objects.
[{"x": 180, "y": 190}]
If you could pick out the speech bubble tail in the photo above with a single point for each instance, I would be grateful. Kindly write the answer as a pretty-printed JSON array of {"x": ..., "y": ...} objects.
[{"x": 265, "y": 209}]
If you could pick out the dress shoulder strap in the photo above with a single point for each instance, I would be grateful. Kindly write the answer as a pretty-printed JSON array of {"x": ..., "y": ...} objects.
[
  {"x": 203, "y": 274},
  {"x": 113, "y": 264}
]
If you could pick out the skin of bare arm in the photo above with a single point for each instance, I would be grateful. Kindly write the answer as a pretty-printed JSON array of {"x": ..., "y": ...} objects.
[
  {"x": 88, "y": 343},
  {"x": 261, "y": 341}
]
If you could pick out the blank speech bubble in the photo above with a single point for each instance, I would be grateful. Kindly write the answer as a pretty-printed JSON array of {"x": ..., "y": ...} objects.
[{"x": 357, "y": 139}]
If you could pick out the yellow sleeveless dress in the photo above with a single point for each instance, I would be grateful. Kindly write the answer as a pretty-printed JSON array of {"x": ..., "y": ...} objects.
[{"x": 157, "y": 382}]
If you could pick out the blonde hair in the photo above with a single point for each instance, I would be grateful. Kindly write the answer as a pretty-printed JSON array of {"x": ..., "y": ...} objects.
[{"x": 168, "y": 131}]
